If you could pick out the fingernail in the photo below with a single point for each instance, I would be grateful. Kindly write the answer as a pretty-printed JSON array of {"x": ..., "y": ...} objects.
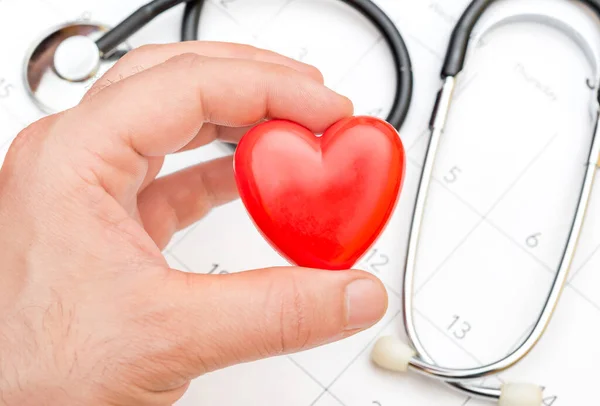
[{"x": 366, "y": 303}]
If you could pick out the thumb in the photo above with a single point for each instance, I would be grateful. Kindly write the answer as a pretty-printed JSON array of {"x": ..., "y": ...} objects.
[{"x": 234, "y": 318}]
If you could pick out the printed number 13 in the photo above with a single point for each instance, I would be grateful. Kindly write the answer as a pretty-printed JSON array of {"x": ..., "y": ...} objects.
[{"x": 459, "y": 330}]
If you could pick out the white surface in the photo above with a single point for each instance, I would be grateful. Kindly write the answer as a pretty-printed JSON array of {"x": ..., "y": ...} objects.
[
  {"x": 509, "y": 170},
  {"x": 76, "y": 58}
]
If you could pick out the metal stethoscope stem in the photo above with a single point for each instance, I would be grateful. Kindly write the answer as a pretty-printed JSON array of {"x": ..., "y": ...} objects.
[
  {"x": 415, "y": 357},
  {"x": 424, "y": 363}
]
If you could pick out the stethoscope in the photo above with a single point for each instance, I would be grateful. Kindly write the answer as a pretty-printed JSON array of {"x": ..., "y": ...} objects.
[
  {"x": 64, "y": 63},
  {"x": 391, "y": 353}
]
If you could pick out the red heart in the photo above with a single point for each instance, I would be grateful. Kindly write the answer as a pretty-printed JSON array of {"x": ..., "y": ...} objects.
[{"x": 321, "y": 201}]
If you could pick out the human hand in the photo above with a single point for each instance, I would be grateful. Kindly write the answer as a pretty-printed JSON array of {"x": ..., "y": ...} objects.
[{"x": 90, "y": 312}]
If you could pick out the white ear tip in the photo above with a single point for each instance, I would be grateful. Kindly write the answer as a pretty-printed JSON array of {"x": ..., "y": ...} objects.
[
  {"x": 392, "y": 354},
  {"x": 521, "y": 394}
]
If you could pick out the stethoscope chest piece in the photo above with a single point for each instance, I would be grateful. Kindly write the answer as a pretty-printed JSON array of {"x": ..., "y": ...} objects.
[{"x": 63, "y": 65}]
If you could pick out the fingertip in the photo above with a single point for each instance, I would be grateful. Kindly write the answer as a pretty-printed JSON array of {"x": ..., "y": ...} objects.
[
  {"x": 366, "y": 301},
  {"x": 348, "y": 105}
]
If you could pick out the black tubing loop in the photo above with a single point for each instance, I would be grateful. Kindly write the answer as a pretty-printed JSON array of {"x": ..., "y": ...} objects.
[
  {"x": 191, "y": 22},
  {"x": 400, "y": 53},
  {"x": 142, "y": 16}
]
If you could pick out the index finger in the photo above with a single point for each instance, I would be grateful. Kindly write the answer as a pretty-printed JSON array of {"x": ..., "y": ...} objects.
[
  {"x": 159, "y": 110},
  {"x": 147, "y": 56}
]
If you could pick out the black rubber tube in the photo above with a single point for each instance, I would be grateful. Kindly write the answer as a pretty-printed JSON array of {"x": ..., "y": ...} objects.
[
  {"x": 191, "y": 21},
  {"x": 402, "y": 61},
  {"x": 459, "y": 40},
  {"x": 142, "y": 16}
]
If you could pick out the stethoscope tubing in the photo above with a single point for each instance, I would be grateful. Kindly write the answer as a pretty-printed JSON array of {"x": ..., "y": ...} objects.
[
  {"x": 189, "y": 32},
  {"x": 422, "y": 362}
]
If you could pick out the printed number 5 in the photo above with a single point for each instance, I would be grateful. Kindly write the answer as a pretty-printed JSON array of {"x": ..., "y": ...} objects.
[
  {"x": 5, "y": 88},
  {"x": 452, "y": 176},
  {"x": 459, "y": 330}
]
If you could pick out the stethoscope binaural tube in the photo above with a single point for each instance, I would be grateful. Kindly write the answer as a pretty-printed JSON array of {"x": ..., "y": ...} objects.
[{"x": 394, "y": 355}]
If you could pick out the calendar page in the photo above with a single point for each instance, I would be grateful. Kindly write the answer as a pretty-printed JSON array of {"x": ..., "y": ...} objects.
[{"x": 506, "y": 181}]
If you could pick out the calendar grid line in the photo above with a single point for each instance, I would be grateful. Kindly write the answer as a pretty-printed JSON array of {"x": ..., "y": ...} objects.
[
  {"x": 358, "y": 355},
  {"x": 448, "y": 257},
  {"x": 484, "y": 217},
  {"x": 450, "y": 190},
  {"x": 425, "y": 46},
  {"x": 442, "y": 332},
  {"x": 548, "y": 269},
  {"x": 226, "y": 13},
  {"x": 585, "y": 262},
  {"x": 522, "y": 173},
  {"x": 184, "y": 235},
  {"x": 545, "y": 266},
  {"x": 268, "y": 22},
  {"x": 358, "y": 61},
  {"x": 464, "y": 86},
  {"x": 311, "y": 376},
  {"x": 389, "y": 287},
  {"x": 333, "y": 396},
  {"x": 314, "y": 402},
  {"x": 186, "y": 266},
  {"x": 583, "y": 296},
  {"x": 22, "y": 123},
  {"x": 6, "y": 142},
  {"x": 415, "y": 143},
  {"x": 518, "y": 245},
  {"x": 506, "y": 235}
]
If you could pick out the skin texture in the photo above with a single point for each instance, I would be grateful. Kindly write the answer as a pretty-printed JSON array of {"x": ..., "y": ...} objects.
[{"x": 90, "y": 312}]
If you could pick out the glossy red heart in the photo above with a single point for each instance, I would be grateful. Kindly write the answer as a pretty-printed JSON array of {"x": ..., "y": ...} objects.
[{"x": 321, "y": 201}]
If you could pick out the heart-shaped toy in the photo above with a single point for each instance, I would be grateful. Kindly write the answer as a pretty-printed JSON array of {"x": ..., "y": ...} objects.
[{"x": 321, "y": 201}]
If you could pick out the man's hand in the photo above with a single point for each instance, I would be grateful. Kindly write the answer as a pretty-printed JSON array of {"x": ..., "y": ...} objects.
[{"x": 90, "y": 312}]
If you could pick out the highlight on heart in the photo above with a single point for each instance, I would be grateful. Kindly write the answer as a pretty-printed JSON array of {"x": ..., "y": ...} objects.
[{"x": 321, "y": 201}]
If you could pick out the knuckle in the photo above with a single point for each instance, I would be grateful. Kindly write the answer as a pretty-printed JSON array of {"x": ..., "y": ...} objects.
[
  {"x": 295, "y": 320},
  {"x": 248, "y": 49},
  {"x": 27, "y": 137},
  {"x": 137, "y": 53},
  {"x": 189, "y": 61}
]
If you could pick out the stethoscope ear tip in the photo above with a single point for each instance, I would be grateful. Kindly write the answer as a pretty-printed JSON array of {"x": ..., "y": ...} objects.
[
  {"x": 392, "y": 354},
  {"x": 521, "y": 394}
]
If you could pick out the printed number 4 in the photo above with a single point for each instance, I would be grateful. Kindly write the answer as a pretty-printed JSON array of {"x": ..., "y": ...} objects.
[{"x": 459, "y": 328}]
